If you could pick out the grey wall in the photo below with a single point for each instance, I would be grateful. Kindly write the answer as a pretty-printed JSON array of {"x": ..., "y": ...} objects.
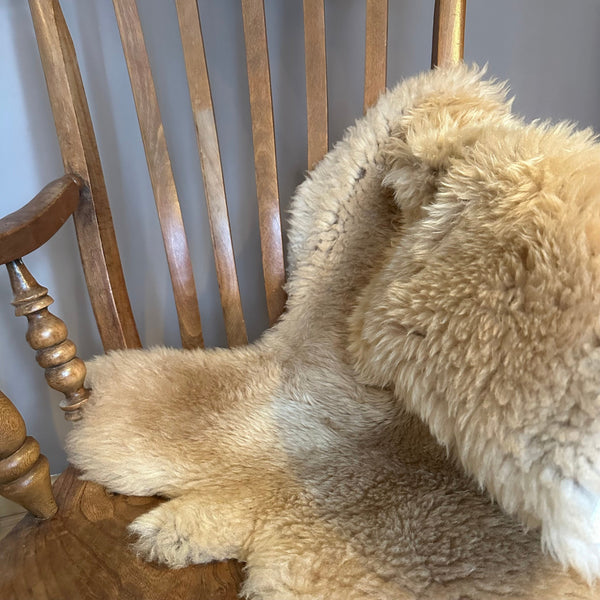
[{"x": 547, "y": 48}]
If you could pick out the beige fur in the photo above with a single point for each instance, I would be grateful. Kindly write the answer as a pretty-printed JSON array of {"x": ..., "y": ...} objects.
[
  {"x": 486, "y": 315},
  {"x": 277, "y": 455}
]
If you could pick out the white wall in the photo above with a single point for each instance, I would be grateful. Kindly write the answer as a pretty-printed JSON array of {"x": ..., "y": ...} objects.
[{"x": 547, "y": 48}]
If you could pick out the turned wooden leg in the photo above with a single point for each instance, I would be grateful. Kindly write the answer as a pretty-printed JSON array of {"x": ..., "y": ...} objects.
[
  {"x": 47, "y": 334},
  {"x": 24, "y": 472}
]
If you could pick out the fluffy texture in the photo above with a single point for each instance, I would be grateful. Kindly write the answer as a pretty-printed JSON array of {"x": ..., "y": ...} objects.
[
  {"x": 279, "y": 455},
  {"x": 485, "y": 317}
]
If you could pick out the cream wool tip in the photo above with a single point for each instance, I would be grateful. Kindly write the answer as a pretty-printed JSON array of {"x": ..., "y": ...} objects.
[{"x": 284, "y": 455}]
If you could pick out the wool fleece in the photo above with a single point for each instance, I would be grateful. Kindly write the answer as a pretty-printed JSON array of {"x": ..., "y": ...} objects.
[
  {"x": 485, "y": 317},
  {"x": 303, "y": 454}
]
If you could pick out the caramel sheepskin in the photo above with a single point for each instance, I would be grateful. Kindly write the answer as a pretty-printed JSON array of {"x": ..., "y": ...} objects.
[{"x": 443, "y": 277}]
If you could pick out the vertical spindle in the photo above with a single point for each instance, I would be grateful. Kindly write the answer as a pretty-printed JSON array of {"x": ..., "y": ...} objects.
[{"x": 47, "y": 334}]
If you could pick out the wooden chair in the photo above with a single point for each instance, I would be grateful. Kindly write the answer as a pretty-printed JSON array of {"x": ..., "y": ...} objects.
[{"x": 74, "y": 544}]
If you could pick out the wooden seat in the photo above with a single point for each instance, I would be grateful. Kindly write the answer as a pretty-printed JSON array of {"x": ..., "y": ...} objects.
[{"x": 75, "y": 544}]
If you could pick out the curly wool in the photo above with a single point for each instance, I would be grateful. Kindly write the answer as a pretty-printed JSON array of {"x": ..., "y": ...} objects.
[{"x": 278, "y": 454}]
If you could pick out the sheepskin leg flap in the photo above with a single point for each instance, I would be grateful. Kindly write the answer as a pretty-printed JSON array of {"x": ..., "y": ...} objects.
[{"x": 276, "y": 454}]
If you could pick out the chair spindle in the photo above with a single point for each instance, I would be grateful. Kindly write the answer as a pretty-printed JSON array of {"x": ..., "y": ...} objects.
[
  {"x": 265, "y": 162},
  {"x": 24, "y": 472},
  {"x": 161, "y": 172},
  {"x": 93, "y": 220},
  {"x": 375, "y": 51},
  {"x": 448, "y": 32},
  {"x": 47, "y": 334},
  {"x": 212, "y": 172},
  {"x": 316, "y": 80}
]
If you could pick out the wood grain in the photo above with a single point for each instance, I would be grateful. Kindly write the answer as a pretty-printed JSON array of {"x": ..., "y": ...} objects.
[
  {"x": 93, "y": 220},
  {"x": 265, "y": 162},
  {"x": 85, "y": 552},
  {"x": 161, "y": 173},
  {"x": 448, "y": 32},
  {"x": 375, "y": 51},
  {"x": 212, "y": 172},
  {"x": 316, "y": 80},
  {"x": 30, "y": 227},
  {"x": 47, "y": 334},
  {"x": 24, "y": 472}
]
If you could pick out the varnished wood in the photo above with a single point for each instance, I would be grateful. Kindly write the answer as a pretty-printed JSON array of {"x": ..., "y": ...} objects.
[
  {"x": 93, "y": 220},
  {"x": 212, "y": 172},
  {"x": 30, "y": 227},
  {"x": 316, "y": 80},
  {"x": 47, "y": 334},
  {"x": 161, "y": 173},
  {"x": 265, "y": 162},
  {"x": 24, "y": 472},
  {"x": 85, "y": 552},
  {"x": 448, "y": 32},
  {"x": 375, "y": 51}
]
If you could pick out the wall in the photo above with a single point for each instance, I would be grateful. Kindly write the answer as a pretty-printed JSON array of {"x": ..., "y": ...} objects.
[{"x": 547, "y": 48}]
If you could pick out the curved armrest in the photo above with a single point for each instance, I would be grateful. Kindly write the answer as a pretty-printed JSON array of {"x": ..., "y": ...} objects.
[{"x": 28, "y": 228}]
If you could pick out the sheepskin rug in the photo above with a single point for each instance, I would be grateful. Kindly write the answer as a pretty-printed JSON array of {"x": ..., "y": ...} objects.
[{"x": 443, "y": 283}]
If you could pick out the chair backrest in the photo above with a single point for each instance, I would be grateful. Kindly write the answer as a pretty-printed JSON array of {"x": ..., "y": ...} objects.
[
  {"x": 33, "y": 225},
  {"x": 93, "y": 219},
  {"x": 82, "y": 192}
]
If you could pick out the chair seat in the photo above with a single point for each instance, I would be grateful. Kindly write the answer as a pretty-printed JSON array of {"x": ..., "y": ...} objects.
[{"x": 85, "y": 552}]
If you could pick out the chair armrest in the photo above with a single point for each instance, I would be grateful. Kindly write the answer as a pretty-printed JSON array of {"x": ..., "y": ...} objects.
[{"x": 28, "y": 228}]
